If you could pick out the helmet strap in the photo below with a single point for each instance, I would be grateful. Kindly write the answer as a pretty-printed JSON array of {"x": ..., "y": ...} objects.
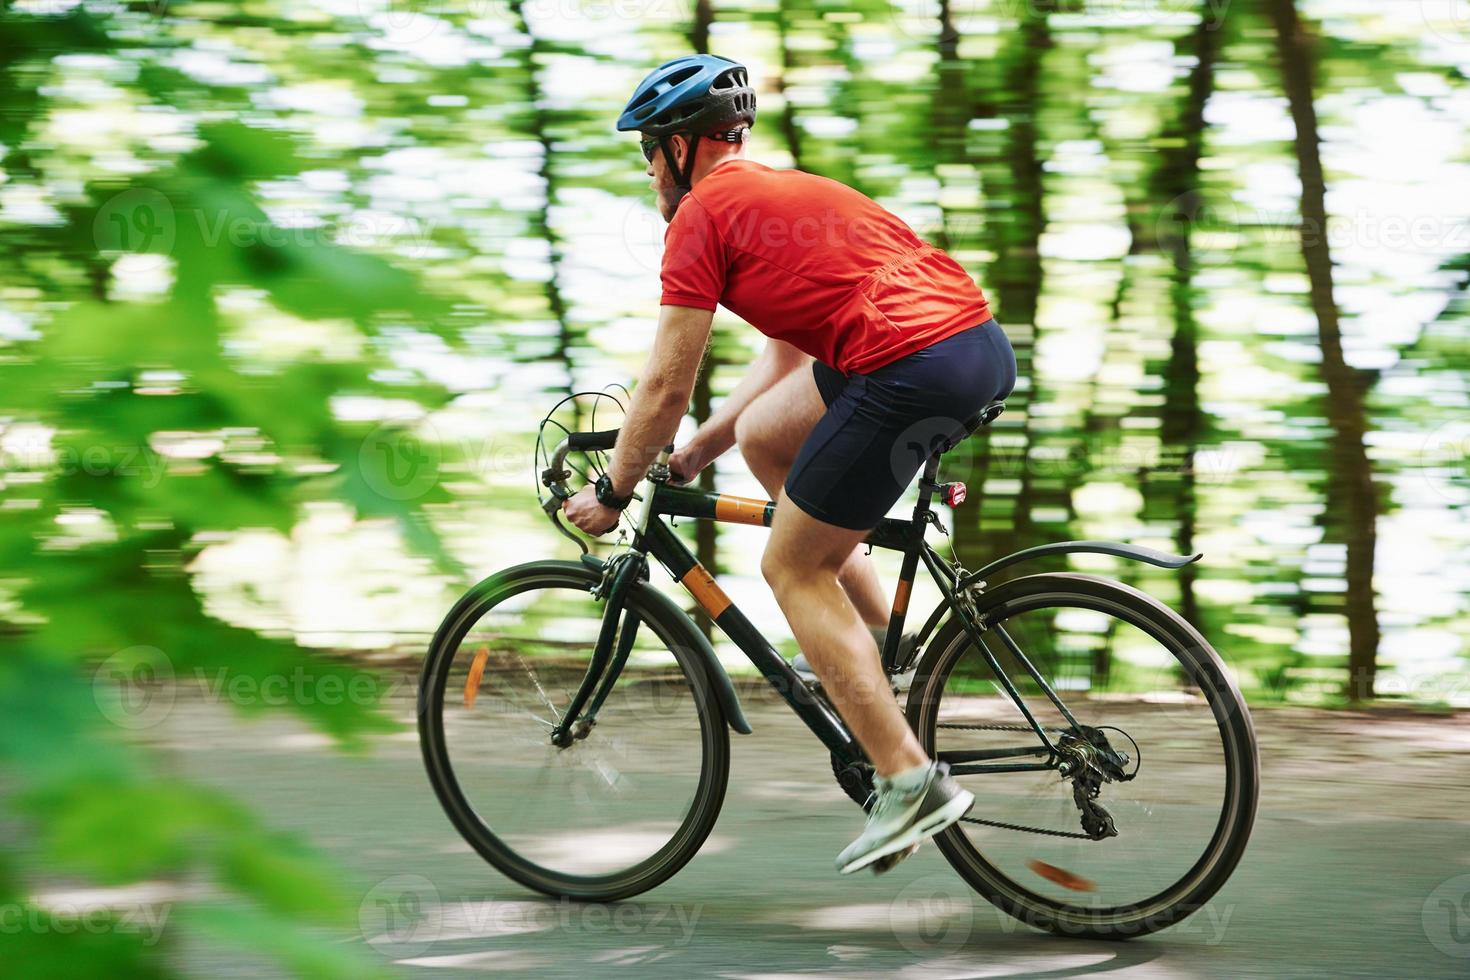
[{"x": 682, "y": 182}]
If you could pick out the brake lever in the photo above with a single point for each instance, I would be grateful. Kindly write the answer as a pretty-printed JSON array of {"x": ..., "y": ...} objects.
[
  {"x": 552, "y": 504},
  {"x": 553, "y": 510}
]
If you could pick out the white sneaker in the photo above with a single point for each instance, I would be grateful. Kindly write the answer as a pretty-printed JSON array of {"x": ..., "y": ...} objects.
[{"x": 898, "y": 821}]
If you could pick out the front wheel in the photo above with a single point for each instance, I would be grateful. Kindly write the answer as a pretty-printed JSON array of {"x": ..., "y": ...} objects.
[
  {"x": 1145, "y": 811},
  {"x": 603, "y": 815}
]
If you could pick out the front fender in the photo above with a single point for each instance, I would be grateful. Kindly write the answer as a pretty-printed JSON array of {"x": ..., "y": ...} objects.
[{"x": 719, "y": 679}]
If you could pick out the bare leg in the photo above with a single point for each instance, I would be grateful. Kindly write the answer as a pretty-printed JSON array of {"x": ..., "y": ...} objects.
[
  {"x": 801, "y": 563},
  {"x": 770, "y": 432},
  {"x": 859, "y": 580}
]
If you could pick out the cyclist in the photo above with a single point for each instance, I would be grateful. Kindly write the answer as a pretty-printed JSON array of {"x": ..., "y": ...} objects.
[{"x": 873, "y": 336}]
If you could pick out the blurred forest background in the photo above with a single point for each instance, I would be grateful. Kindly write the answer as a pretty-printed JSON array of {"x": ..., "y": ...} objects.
[{"x": 286, "y": 287}]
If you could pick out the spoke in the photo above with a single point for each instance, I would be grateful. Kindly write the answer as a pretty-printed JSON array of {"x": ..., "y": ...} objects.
[{"x": 534, "y": 680}]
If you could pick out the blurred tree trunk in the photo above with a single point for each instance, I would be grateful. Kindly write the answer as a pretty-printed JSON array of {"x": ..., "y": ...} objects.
[
  {"x": 705, "y": 532},
  {"x": 1176, "y": 181},
  {"x": 538, "y": 126},
  {"x": 704, "y": 16},
  {"x": 1352, "y": 506},
  {"x": 789, "y": 129},
  {"x": 950, "y": 116},
  {"x": 1017, "y": 273},
  {"x": 1012, "y": 187}
]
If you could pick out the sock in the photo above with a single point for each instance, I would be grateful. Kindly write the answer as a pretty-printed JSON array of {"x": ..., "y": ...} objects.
[{"x": 908, "y": 781}]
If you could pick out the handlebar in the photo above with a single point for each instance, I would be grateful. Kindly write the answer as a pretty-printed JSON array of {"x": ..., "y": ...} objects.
[
  {"x": 585, "y": 441},
  {"x": 556, "y": 474}
]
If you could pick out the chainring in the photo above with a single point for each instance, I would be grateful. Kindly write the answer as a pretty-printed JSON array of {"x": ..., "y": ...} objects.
[{"x": 855, "y": 779}]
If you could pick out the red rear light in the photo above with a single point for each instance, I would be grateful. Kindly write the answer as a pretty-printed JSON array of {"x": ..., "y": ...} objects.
[{"x": 953, "y": 494}]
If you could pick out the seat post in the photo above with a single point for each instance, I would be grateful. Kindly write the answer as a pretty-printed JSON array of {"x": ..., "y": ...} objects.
[
  {"x": 927, "y": 487},
  {"x": 931, "y": 468},
  {"x": 929, "y": 482}
]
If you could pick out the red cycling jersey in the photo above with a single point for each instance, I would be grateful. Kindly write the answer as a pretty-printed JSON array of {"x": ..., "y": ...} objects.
[{"x": 815, "y": 263}]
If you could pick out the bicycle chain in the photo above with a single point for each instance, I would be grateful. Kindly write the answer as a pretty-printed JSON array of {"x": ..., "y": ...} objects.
[
  {"x": 999, "y": 823},
  {"x": 1028, "y": 830},
  {"x": 986, "y": 728}
]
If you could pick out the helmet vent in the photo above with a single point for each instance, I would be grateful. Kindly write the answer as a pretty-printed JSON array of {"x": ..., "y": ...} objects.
[{"x": 735, "y": 78}]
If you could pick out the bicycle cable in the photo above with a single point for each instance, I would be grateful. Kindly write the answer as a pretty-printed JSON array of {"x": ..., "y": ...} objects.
[{"x": 541, "y": 458}]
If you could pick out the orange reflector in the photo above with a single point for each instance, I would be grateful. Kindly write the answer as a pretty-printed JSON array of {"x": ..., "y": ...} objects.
[
  {"x": 705, "y": 590},
  {"x": 472, "y": 682},
  {"x": 1066, "y": 879},
  {"x": 901, "y": 596}
]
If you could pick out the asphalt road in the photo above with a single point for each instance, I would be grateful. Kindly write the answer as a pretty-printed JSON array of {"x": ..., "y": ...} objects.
[{"x": 1359, "y": 866}]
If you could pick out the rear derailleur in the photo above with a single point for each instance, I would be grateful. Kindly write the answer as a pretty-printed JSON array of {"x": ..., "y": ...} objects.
[{"x": 1089, "y": 761}]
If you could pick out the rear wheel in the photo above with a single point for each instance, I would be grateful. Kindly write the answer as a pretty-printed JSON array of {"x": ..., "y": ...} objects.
[
  {"x": 606, "y": 815},
  {"x": 1179, "y": 787}
]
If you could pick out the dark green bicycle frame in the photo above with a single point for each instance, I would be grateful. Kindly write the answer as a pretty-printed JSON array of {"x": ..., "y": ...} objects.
[{"x": 659, "y": 541}]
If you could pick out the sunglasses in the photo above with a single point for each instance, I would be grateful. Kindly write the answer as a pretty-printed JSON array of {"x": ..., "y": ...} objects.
[{"x": 648, "y": 145}]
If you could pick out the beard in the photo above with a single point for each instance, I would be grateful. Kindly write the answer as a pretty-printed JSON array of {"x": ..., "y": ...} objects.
[{"x": 668, "y": 201}]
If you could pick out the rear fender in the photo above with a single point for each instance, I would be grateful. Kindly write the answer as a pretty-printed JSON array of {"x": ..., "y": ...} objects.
[{"x": 1117, "y": 549}]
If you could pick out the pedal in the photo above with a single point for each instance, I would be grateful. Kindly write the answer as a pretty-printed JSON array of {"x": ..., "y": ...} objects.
[{"x": 887, "y": 861}]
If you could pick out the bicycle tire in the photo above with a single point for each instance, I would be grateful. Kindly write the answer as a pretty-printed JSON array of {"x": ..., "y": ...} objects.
[
  {"x": 1207, "y": 671},
  {"x": 677, "y": 632}
]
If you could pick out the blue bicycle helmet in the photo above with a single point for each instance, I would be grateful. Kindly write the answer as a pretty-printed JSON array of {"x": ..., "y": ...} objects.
[
  {"x": 695, "y": 95},
  {"x": 692, "y": 94}
]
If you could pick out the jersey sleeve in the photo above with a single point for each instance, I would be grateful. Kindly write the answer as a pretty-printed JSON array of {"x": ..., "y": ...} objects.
[{"x": 695, "y": 259}]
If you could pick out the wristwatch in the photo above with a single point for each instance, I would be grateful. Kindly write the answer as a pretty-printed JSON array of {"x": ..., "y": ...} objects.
[{"x": 605, "y": 496}]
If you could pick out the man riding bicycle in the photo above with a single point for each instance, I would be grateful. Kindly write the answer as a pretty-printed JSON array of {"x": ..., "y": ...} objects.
[{"x": 872, "y": 335}]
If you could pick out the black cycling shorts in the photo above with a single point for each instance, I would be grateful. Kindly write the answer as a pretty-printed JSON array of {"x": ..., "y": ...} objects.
[{"x": 880, "y": 427}]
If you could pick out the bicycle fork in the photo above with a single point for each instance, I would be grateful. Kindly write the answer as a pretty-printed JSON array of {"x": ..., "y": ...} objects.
[{"x": 616, "y": 583}]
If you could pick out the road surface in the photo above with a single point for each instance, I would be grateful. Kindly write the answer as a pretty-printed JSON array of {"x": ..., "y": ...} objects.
[{"x": 1359, "y": 866}]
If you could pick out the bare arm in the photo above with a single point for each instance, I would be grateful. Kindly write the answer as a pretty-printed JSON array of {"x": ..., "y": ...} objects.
[
  {"x": 662, "y": 395},
  {"x": 717, "y": 435}
]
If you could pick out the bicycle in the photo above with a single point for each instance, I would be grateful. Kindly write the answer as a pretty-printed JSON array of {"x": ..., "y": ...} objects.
[{"x": 543, "y": 678}]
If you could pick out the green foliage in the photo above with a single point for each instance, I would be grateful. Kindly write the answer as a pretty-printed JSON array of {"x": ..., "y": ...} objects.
[
  {"x": 161, "y": 422},
  {"x": 105, "y": 516},
  {"x": 65, "y": 953}
]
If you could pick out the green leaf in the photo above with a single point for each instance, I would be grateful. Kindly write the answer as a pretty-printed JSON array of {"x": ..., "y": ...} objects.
[
  {"x": 118, "y": 831},
  {"x": 58, "y": 948}
]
